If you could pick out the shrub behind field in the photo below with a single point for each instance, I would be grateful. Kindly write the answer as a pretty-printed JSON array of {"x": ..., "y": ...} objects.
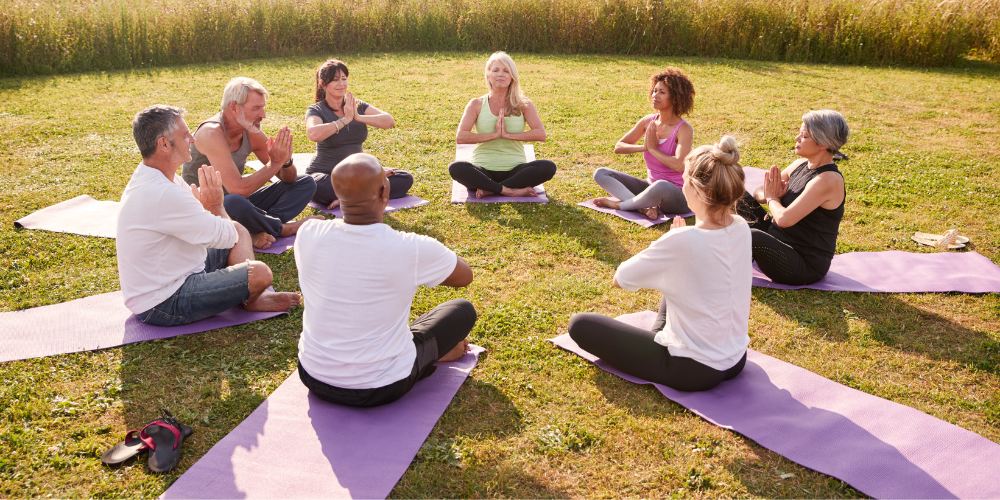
[{"x": 65, "y": 36}]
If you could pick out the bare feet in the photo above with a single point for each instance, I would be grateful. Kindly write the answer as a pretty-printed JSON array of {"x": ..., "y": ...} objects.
[
  {"x": 519, "y": 192},
  {"x": 456, "y": 352},
  {"x": 290, "y": 228},
  {"x": 482, "y": 193},
  {"x": 274, "y": 301},
  {"x": 262, "y": 240},
  {"x": 651, "y": 213},
  {"x": 608, "y": 202},
  {"x": 333, "y": 204}
]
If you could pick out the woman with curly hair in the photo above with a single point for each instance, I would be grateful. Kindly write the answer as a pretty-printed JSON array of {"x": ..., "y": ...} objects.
[{"x": 666, "y": 140}]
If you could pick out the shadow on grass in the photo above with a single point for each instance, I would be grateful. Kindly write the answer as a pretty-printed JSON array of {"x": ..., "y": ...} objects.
[
  {"x": 557, "y": 218},
  {"x": 865, "y": 318}
]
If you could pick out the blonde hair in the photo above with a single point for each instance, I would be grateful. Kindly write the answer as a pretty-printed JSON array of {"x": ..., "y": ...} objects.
[
  {"x": 714, "y": 171},
  {"x": 239, "y": 88},
  {"x": 515, "y": 98}
]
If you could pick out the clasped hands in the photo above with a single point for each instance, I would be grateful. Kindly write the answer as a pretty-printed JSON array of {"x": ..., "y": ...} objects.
[
  {"x": 501, "y": 130},
  {"x": 774, "y": 184}
]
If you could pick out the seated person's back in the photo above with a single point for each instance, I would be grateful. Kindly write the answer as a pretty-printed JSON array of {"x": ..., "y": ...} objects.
[
  {"x": 358, "y": 282},
  {"x": 358, "y": 277}
]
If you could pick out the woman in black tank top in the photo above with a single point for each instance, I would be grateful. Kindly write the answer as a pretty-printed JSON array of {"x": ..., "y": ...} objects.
[{"x": 794, "y": 243}]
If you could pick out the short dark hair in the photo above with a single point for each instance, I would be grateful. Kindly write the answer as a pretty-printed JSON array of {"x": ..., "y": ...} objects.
[
  {"x": 325, "y": 73},
  {"x": 680, "y": 87},
  {"x": 152, "y": 123}
]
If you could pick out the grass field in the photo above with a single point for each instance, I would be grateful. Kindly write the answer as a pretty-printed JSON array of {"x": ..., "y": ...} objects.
[{"x": 532, "y": 421}]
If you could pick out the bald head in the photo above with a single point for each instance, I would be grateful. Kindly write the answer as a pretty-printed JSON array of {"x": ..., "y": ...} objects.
[{"x": 360, "y": 184}]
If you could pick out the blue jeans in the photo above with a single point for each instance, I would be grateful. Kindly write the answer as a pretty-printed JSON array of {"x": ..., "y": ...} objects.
[{"x": 210, "y": 292}]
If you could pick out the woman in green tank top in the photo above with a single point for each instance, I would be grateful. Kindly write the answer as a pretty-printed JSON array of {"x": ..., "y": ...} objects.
[{"x": 498, "y": 165}]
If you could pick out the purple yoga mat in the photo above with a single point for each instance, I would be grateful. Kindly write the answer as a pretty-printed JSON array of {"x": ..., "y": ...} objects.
[
  {"x": 81, "y": 215},
  {"x": 900, "y": 272},
  {"x": 295, "y": 445},
  {"x": 460, "y": 194},
  {"x": 403, "y": 203},
  {"x": 631, "y": 216},
  {"x": 280, "y": 245},
  {"x": 95, "y": 322},
  {"x": 882, "y": 448},
  {"x": 753, "y": 178}
]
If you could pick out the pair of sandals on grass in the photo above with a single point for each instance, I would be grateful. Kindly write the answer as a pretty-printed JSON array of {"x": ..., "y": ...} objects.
[{"x": 162, "y": 439}]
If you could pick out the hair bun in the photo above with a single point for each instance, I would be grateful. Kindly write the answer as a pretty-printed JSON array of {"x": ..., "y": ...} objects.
[{"x": 726, "y": 151}]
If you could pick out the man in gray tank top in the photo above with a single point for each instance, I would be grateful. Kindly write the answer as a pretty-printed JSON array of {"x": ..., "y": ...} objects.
[{"x": 226, "y": 139}]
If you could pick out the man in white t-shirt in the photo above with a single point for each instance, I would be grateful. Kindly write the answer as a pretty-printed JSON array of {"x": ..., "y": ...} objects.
[
  {"x": 180, "y": 257},
  {"x": 358, "y": 277}
]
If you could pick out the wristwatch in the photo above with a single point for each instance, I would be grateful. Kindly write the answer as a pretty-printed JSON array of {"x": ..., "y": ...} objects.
[{"x": 287, "y": 163}]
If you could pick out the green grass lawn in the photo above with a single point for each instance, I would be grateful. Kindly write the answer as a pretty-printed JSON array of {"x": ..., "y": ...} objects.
[{"x": 531, "y": 421}]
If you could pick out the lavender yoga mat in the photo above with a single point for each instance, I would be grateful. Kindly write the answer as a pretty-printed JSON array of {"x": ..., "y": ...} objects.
[
  {"x": 460, "y": 194},
  {"x": 900, "y": 272},
  {"x": 295, "y": 445},
  {"x": 301, "y": 160},
  {"x": 280, "y": 245},
  {"x": 403, "y": 203},
  {"x": 882, "y": 448},
  {"x": 631, "y": 216},
  {"x": 81, "y": 215},
  {"x": 95, "y": 322}
]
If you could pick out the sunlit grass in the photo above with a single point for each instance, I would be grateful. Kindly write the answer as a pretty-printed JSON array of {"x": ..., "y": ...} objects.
[{"x": 532, "y": 421}]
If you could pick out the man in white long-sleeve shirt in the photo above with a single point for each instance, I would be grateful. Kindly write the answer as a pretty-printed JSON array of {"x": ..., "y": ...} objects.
[{"x": 180, "y": 257}]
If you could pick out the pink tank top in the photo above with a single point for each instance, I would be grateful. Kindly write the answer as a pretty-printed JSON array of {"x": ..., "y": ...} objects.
[{"x": 656, "y": 169}]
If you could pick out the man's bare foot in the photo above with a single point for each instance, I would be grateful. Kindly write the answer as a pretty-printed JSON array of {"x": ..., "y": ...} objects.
[
  {"x": 333, "y": 204},
  {"x": 482, "y": 193},
  {"x": 262, "y": 240},
  {"x": 651, "y": 213},
  {"x": 519, "y": 192},
  {"x": 608, "y": 202},
  {"x": 274, "y": 301},
  {"x": 290, "y": 228},
  {"x": 456, "y": 352}
]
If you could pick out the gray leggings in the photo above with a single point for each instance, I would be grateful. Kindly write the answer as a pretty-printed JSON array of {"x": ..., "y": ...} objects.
[{"x": 636, "y": 194}]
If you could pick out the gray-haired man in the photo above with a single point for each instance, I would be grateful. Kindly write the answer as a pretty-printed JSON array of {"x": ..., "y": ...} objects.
[
  {"x": 180, "y": 257},
  {"x": 226, "y": 139}
]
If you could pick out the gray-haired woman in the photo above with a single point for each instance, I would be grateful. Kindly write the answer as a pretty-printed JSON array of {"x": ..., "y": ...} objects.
[{"x": 794, "y": 243}]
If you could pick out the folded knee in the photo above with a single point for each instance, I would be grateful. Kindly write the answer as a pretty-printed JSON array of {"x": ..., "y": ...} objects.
[
  {"x": 260, "y": 276},
  {"x": 601, "y": 172}
]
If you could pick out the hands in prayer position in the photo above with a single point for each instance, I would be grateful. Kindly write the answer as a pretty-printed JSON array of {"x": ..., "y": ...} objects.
[{"x": 774, "y": 184}]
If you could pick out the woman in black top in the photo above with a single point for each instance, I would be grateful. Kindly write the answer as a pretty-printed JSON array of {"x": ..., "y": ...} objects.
[
  {"x": 794, "y": 243},
  {"x": 338, "y": 124}
]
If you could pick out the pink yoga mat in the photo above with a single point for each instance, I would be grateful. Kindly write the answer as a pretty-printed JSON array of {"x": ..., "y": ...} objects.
[
  {"x": 295, "y": 445},
  {"x": 901, "y": 272},
  {"x": 403, "y": 203},
  {"x": 460, "y": 194},
  {"x": 90, "y": 323},
  {"x": 882, "y": 448},
  {"x": 81, "y": 215},
  {"x": 631, "y": 216}
]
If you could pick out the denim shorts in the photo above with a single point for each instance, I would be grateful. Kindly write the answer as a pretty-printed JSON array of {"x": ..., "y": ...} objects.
[{"x": 210, "y": 292}]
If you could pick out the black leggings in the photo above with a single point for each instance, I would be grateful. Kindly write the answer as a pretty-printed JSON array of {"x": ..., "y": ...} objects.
[
  {"x": 434, "y": 334},
  {"x": 775, "y": 258},
  {"x": 633, "y": 351},
  {"x": 524, "y": 175},
  {"x": 399, "y": 184}
]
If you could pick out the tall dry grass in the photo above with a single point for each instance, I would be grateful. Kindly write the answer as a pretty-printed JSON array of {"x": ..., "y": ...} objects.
[{"x": 67, "y": 35}]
